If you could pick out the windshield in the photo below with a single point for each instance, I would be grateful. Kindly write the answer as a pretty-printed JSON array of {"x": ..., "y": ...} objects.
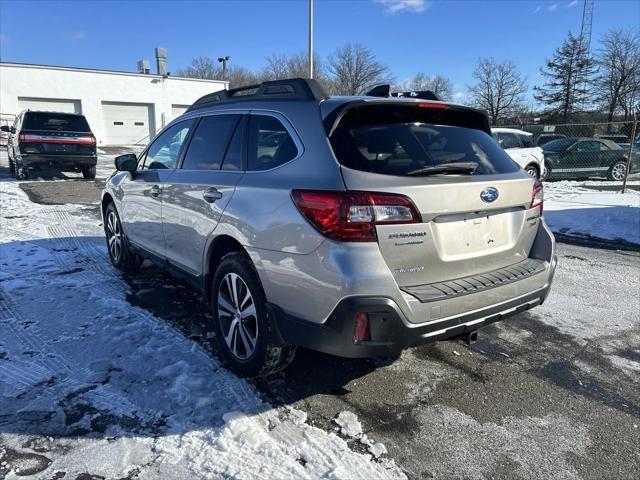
[
  {"x": 403, "y": 143},
  {"x": 57, "y": 122}
]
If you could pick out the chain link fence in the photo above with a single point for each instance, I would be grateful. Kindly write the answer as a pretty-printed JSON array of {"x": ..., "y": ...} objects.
[{"x": 586, "y": 151}]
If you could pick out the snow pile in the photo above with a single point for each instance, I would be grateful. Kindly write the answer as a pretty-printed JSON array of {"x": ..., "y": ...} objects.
[
  {"x": 90, "y": 385},
  {"x": 351, "y": 427},
  {"x": 575, "y": 210}
]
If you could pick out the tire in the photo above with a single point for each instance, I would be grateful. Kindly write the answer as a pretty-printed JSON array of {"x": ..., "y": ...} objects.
[
  {"x": 547, "y": 172},
  {"x": 20, "y": 172},
  {"x": 89, "y": 173},
  {"x": 12, "y": 167},
  {"x": 532, "y": 171},
  {"x": 617, "y": 171},
  {"x": 247, "y": 343},
  {"x": 120, "y": 253}
]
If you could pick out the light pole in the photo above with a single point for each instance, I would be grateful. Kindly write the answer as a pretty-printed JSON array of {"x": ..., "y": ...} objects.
[
  {"x": 310, "y": 38},
  {"x": 224, "y": 61}
]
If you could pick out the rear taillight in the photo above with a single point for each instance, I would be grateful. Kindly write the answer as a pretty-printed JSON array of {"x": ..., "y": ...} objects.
[
  {"x": 537, "y": 196},
  {"x": 28, "y": 137},
  {"x": 353, "y": 216}
]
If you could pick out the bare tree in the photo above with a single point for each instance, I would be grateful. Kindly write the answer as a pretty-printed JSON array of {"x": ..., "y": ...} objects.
[
  {"x": 568, "y": 80},
  {"x": 499, "y": 89},
  {"x": 438, "y": 84},
  {"x": 618, "y": 79},
  {"x": 353, "y": 70},
  {"x": 201, "y": 67},
  {"x": 241, "y": 77}
]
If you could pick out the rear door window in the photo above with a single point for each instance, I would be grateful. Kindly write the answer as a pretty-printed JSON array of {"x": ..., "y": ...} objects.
[
  {"x": 270, "y": 144},
  {"x": 209, "y": 142},
  {"x": 508, "y": 140},
  {"x": 526, "y": 140},
  {"x": 401, "y": 140},
  {"x": 56, "y": 122},
  {"x": 234, "y": 158}
]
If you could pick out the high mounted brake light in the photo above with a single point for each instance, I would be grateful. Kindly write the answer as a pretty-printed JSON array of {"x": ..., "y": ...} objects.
[
  {"x": 537, "y": 196},
  {"x": 353, "y": 216},
  {"x": 442, "y": 106}
]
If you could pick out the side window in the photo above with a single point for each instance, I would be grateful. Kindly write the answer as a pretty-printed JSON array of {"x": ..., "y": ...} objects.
[
  {"x": 209, "y": 141},
  {"x": 234, "y": 158},
  {"x": 604, "y": 147},
  {"x": 165, "y": 150},
  {"x": 270, "y": 144},
  {"x": 588, "y": 146},
  {"x": 508, "y": 140},
  {"x": 526, "y": 140}
]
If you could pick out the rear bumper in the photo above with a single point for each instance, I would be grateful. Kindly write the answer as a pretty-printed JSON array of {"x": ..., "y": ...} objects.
[
  {"x": 60, "y": 162},
  {"x": 390, "y": 331}
]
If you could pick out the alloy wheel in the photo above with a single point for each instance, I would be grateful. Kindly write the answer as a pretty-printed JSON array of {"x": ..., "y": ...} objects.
[
  {"x": 114, "y": 236},
  {"x": 237, "y": 316},
  {"x": 618, "y": 171}
]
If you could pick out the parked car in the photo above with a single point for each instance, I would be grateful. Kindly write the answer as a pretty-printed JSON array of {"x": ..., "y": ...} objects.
[
  {"x": 548, "y": 137},
  {"x": 582, "y": 158},
  {"x": 520, "y": 146},
  {"x": 616, "y": 138},
  {"x": 356, "y": 226},
  {"x": 54, "y": 140}
]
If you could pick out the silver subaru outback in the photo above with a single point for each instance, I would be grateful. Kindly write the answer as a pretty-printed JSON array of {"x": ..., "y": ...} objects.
[{"x": 355, "y": 226}]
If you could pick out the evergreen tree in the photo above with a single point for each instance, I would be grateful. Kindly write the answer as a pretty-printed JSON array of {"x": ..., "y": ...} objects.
[{"x": 568, "y": 79}]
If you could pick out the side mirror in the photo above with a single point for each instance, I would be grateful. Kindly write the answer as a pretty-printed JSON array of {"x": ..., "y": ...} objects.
[
  {"x": 127, "y": 163},
  {"x": 8, "y": 129}
]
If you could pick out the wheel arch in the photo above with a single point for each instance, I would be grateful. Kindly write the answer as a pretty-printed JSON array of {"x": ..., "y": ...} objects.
[
  {"x": 106, "y": 200},
  {"x": 218, "y": 248}
]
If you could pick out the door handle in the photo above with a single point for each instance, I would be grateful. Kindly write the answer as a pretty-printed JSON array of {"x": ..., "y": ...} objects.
[
  {"x": 211, "y": 195},
  {"x": 156, "y": 190}
]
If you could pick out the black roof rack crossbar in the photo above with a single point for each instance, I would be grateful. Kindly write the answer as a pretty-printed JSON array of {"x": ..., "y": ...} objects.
[
  {"x": 384, "y": 91},
  {"x": 289, "y": 89}
]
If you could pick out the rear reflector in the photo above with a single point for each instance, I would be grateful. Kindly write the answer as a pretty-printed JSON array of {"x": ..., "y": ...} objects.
[
  {"x": 35, "y": 138},
  {"x": 537, "y": 196},
  {"x": 361, "y": 332},
  {"x": 353, "y": 216}
]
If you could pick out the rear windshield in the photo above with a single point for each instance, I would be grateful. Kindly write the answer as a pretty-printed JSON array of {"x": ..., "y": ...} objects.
[
  {"x": 394, "y": 140},
  {"x": 57, "y": 122}
]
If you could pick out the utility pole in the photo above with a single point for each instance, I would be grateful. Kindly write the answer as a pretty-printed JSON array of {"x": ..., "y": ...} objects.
[
  {"x": 630, "y": 152},
  {"x": 310, "y": 39},
  {"x": 224, "y": 61}
]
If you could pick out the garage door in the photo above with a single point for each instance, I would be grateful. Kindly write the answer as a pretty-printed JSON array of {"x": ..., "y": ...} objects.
[
  {"x": 49, "y": 104},
  {"x": 127, "y": 123},
  {"x": 177, "y": 110}
]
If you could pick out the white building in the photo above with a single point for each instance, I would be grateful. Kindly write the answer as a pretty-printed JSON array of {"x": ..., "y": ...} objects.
[{"x": 122, "y": 108}]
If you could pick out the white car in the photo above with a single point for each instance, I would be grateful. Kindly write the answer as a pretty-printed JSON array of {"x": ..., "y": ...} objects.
[{"x": 522, "y": 149}]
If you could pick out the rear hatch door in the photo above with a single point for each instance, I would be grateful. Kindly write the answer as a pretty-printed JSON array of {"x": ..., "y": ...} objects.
[
  {"x": 52, "y": 133},
  {"x": 473, "y": 221}
]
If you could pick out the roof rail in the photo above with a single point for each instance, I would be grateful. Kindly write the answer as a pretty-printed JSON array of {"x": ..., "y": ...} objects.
[
  {"x": 289, "y": 89},
  {"x": 384, "y": 91}
]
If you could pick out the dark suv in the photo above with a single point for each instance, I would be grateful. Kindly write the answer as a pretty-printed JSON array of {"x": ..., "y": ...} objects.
[{"x": 53, "y": 140}]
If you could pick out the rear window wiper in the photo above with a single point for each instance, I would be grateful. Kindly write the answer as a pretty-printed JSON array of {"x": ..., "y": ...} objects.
[{"x": 446, "y": 168}]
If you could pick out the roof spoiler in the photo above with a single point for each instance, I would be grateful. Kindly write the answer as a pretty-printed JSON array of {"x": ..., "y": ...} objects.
[
  {"x": 289, "y": 89},
  {"x": 384, "y": 91}
]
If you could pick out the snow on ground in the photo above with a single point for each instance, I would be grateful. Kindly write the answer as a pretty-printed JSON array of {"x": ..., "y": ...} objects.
[
  {"x": 91, "y": 385},
  {"x": 574, "y": 209}
]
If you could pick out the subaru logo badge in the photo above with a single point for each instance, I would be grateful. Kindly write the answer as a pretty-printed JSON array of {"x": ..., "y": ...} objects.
[{"x": 489, "y": 195}]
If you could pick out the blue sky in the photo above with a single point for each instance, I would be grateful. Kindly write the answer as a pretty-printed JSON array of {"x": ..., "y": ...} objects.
[{"x": 438, "y": 36}]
